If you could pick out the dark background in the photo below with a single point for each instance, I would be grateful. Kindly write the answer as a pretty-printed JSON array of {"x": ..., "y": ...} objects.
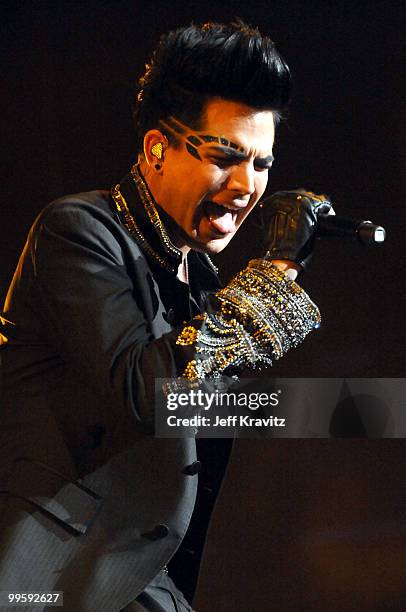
[
  {"x": 68, "y": 74},
  {"x": 69, "y": 71}
]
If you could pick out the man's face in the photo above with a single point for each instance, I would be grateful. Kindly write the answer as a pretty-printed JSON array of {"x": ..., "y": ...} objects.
[{"x": 212, "y": 181}]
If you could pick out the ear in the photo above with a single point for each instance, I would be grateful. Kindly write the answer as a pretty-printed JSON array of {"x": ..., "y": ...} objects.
[{"x": 155, "y": 145}]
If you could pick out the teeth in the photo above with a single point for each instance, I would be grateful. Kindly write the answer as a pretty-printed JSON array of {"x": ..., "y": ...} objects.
[
  {"x": 218, "y": 209},
  {"x": 233, "y": 210},
  {"x": 229, "y": 208}
]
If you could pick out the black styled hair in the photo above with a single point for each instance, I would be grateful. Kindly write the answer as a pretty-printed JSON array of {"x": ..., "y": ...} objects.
[{"x": 192, "y": 65}]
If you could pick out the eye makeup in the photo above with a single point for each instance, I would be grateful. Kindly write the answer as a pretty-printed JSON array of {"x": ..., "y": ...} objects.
[{"x": 229, "y": 151}]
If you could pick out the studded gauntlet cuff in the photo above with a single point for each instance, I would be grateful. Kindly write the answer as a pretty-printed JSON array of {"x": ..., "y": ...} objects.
[{"x": 262, "y": 314}]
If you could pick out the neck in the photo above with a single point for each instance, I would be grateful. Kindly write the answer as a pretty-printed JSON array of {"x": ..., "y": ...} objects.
[{"x": 183, "y": 270}]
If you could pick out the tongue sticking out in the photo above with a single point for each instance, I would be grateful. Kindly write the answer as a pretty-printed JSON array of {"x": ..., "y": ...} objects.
[{"x": 222, "y": 220}]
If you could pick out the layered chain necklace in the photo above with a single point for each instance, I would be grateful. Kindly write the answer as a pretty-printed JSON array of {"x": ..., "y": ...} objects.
[{"x": 132, "y": 226}]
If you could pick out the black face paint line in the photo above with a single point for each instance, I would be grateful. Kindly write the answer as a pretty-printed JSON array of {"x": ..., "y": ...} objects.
[
  {"x": 197, "y": 139},
  {"x": 193, "y": 141},
  {"x": 193, "y": 151}
]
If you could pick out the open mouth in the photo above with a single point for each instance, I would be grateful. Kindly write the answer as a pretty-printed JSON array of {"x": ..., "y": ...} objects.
[{"x": 221, "y": 218}]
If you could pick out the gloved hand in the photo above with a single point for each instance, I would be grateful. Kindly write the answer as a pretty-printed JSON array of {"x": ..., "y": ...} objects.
[{"x": 290, "y": 221}]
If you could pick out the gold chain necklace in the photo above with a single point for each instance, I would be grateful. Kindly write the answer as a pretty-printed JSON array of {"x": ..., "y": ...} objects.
[
  {"x": 152, "y": 212},
  {"x": 133, "y": 228}
]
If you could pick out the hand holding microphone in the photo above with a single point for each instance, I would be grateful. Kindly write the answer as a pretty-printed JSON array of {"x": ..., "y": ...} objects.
[{"x": 294, "y": 219}]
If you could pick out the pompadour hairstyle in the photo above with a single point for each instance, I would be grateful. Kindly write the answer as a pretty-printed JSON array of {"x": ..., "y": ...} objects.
[{"x": 194, "y": 64}]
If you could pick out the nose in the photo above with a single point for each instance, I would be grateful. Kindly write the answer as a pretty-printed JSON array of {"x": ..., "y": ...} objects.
[{"x": 241, "y": 179}]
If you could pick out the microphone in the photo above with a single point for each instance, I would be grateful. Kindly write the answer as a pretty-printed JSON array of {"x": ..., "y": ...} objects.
[{"x": 334, "y": 226}]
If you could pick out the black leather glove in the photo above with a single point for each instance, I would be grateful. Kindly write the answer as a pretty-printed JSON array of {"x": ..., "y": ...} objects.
[{"x": 290, "y": 220}]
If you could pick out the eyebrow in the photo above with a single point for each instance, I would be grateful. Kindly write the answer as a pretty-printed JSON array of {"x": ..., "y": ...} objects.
[{"x": 263, "y": 162}]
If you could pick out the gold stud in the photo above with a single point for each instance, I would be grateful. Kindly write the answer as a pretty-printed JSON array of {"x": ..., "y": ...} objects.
[{"x": 157, "y": 150}]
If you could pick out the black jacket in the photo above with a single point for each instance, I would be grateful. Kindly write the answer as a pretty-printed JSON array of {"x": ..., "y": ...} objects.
[{"x": 91, "y": 503}]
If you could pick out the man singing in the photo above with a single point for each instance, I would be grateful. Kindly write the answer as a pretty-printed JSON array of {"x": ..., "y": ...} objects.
[{"x": 115, "y": 289}]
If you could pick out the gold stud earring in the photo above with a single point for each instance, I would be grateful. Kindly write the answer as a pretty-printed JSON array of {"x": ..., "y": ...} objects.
[{"x": 157, "y": 150}]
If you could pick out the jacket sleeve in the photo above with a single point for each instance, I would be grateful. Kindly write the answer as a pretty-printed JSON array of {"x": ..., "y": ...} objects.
[{"x": 92, "y": 309}]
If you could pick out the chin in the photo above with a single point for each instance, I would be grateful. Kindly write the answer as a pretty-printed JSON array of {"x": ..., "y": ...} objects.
[
  {"x": 215, "y": 246},
  {"x": 210, "y": 247}
]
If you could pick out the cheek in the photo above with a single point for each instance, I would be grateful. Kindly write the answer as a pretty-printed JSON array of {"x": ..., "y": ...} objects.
[
  {"x": 206, "y": 183},
  {"x": 260, "y": 184},
  {"x": 212, "y": 177}
]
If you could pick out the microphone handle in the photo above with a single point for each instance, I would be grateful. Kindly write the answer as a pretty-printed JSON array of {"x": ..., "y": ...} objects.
[{"x": 350, "y": 229}]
